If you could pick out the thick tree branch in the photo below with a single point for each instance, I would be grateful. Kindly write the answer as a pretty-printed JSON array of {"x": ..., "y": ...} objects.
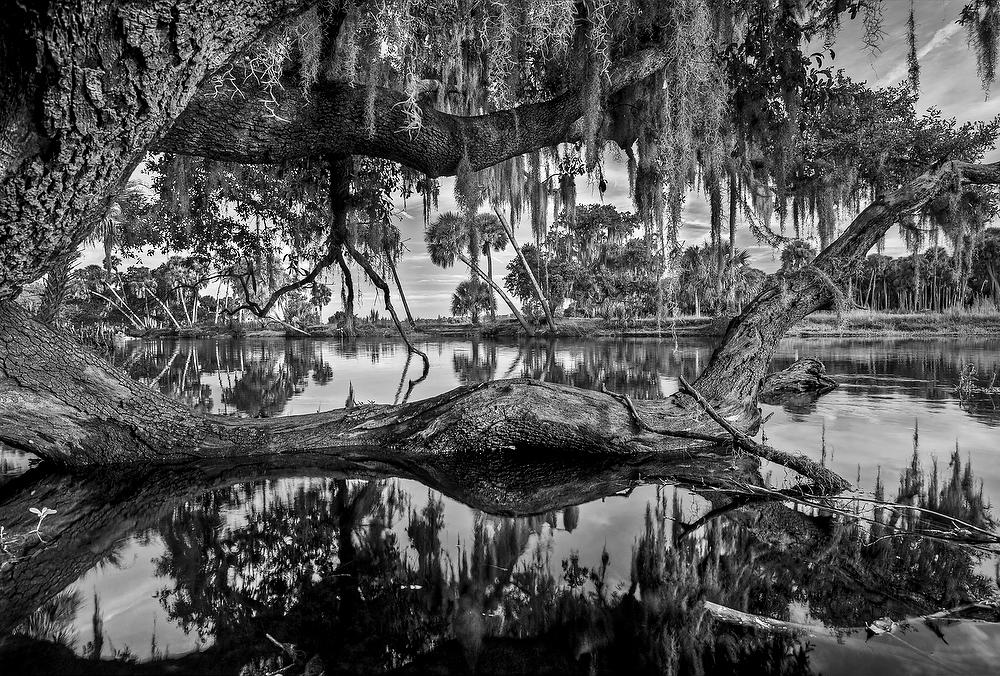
[
  {"x": 737, "y": 367},
  {"x": 92, "y": 85},
  {"x": 240, "y": 128}
]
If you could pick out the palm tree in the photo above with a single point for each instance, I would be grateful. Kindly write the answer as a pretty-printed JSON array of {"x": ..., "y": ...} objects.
[
  {"x": 470, "y": 298},
  {"x": 796, "y": 255},
  {"x": 447, "y": 239},
  {"x": 122, "y": 224},
  {"x": 493, "y": 238}
]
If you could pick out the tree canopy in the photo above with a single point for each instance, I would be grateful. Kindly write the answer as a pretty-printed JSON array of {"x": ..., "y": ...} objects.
[{"x": 503, "y": 90}]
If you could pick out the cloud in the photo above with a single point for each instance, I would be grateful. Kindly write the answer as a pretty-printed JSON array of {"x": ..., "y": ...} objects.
[{"x": 939, "y": 39}]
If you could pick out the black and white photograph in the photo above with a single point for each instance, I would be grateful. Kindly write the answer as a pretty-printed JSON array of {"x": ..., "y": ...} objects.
[{"x": 500, "y": 337}]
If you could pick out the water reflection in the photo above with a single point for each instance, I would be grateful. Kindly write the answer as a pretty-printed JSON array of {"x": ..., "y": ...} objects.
[
  {"x": 517, "y": 564},
  {"x": 387, "y": 574},
  {"x": 260, "y": 377}
]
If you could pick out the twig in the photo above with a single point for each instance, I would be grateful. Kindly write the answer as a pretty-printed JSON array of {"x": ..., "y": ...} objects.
[{"x": 829, "y": 480}]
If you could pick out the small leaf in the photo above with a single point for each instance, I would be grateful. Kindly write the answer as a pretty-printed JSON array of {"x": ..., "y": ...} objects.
[{"x": 35, "y": 510}]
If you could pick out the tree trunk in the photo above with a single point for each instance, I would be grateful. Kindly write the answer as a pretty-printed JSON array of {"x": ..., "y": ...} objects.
[
  {"x": 994, "y": 283},
  {"x": 489, "y": 274},
  {"x": 180, "y": 301},
  {"x": 527, "y": 268},
  {"x": 715, "y": 216},
  {"x": 340, "y": 167},
  {"x": 399, "y": 287},
  {"x": 84, "y": 89},
  {"x": 733, "y": 197},
  {"x": 528, "y": 328},
  {"x": 218, "y": 296},
  {"x": 109, "y": 240},
  {"x": 350, "y": 330}
]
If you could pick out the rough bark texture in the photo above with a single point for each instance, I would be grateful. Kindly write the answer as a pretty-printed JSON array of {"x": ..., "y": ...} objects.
[{"x": 84, "y": 89}]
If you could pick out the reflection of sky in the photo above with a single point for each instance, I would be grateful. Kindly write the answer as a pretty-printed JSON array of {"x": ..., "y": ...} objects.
[
  {"x": 948, "y": 82},
  {"x": 888, "y": 386},
  {"x": 132, "y": 613}
]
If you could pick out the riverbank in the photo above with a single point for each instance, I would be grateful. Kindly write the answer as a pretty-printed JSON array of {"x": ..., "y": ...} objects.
[
  {"x": 863, "y": 323},
  {"x": 857, "y": 323}
]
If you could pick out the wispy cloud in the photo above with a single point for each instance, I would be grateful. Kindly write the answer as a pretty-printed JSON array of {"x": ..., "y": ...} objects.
[{"x": 939, "y": 39}]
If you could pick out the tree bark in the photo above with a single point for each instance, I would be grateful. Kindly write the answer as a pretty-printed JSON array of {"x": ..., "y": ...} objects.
[
  {"x": 349, "y": 328},
  {"x": 340, "y": 168},
  {"x": 85, "y": 88},
  {"x": 489, "y": 273},
  {"x": 733, "y": 207},
  {"x": 331, "y": 119}
]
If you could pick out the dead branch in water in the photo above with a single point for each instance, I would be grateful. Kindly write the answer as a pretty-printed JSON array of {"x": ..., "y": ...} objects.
[
  {"x": 826, "y": 480},
  {"x": 829, "y": 481}
]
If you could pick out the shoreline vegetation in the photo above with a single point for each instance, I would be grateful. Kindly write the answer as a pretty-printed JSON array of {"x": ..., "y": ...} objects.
[{"x": 854, "y": 323}]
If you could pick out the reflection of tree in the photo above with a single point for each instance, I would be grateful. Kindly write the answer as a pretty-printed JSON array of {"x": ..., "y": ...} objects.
[
  {"x": 629, "y": 367},
  {"x": 266, "y": 385},
  {"x": 477, "y": 366},
  {"x": 921, "y": 369},
  {"x": 874, "y": 566},
  {"x": 325, "y": 565},
  {"x": 256, "y": 379},
  {"x": 53, "y": 620},
  {"x": 366, "y": 577}
]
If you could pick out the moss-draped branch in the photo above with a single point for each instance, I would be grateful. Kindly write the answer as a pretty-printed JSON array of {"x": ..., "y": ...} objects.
[{"x": 242, "y": 126}]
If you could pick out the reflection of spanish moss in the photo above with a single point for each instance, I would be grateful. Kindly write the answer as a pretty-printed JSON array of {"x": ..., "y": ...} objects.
[{"x": 364, "y": 575}]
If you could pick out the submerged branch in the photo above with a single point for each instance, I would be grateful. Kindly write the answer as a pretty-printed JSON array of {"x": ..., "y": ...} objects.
[{"x": 829, "y": 481}]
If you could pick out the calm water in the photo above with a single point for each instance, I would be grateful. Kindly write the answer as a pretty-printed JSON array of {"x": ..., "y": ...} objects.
[{"x": 192, "y": 569}]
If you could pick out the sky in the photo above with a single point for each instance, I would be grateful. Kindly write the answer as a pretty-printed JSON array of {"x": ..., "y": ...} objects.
[{"x": 948, "y": 81}]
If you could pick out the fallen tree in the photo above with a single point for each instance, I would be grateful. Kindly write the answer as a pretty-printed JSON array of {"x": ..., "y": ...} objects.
[
  {"x": 68, "y": 406},
  {"x": 80, "y": 105}
]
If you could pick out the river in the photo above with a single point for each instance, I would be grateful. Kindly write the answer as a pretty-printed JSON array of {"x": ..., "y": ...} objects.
[{"x": 379, "y": 573}]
